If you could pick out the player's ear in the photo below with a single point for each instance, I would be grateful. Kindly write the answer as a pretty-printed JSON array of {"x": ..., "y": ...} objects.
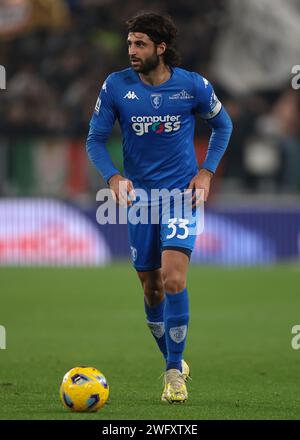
[{"x": 161, "y": 48}]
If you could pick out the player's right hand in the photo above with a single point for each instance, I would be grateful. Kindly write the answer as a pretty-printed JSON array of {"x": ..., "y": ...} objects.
[{"x": 122, "y": 190}]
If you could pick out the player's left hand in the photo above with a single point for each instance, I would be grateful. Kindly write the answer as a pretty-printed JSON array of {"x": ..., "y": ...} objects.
[{"x": 200, "y": 185}]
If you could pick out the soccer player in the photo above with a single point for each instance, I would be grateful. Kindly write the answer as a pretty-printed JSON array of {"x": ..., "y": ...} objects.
[{"x": 155, "y": 103}]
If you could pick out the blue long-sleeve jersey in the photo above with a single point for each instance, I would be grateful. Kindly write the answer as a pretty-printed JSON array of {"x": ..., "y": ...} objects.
[{"x": 157, "y": 124}]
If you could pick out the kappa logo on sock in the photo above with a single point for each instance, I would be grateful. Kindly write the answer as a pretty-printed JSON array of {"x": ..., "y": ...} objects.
[
  {"x": 178, "y": 334},
  {"x": 157, "y": 328}
]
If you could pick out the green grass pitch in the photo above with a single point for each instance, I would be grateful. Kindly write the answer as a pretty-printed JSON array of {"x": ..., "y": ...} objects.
[{"x": 239, "y": 343}]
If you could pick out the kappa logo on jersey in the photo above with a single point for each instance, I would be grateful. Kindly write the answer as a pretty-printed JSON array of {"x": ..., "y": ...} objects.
[
  {"x": 155, "y": 124},
  {"x": 205, "y": 82},
  {"x": 181, "y": 95},
  {"x": 178, "y": 334},
  {"x": 104, "y": 87},
  {"x": 156, "y": 100},
  {"x": 130, "y": 95}
]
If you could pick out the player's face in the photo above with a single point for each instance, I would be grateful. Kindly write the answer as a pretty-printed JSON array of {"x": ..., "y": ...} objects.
[{"x": 142, "y": 52}]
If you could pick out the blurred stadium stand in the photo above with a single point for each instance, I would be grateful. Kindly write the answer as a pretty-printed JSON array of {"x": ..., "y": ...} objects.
[{"x": 57, "y": 54}]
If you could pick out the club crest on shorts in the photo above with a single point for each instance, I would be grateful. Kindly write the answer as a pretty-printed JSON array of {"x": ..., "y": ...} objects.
[
  {"x": 133, "y": 253},
  {"x": 178, "y": 334},
  {"x": 157, "y": 328},
  {"x": 156, "y": 100}
]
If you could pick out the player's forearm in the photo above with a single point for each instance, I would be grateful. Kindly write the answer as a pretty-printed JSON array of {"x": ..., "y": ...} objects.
[
  {"x": 221, "y": 132},
  {"x": 98, "y": 154}
]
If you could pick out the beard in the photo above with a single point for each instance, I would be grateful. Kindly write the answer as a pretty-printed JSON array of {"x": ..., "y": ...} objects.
[{"x": 147, "y": 65}]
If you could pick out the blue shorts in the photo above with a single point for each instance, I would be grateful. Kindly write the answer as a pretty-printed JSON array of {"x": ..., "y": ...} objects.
[{"x": 169, "y": 230}]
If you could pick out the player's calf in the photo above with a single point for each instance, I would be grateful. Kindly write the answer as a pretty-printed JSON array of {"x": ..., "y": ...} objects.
[{"x": 154, "y": 303}]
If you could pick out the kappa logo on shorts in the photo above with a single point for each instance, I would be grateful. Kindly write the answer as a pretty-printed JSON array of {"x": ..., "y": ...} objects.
[
  {"x": 157, "y": 328},
  {"x": 178, "y": 334}
]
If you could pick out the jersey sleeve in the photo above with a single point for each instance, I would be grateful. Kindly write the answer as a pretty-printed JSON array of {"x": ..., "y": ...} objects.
[
  {"x": 101, "y": 125},
  {"x": 207, "y": 104},
  {"x": 211, "y": 109},
  {"x": 105, "y": 113}
]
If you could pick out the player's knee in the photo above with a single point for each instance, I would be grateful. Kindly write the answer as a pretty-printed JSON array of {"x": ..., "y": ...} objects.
[
  {"x": 173, "y": 282},
  {"x": 153, "y": 296},
  {"x": 153, "y": 291}
]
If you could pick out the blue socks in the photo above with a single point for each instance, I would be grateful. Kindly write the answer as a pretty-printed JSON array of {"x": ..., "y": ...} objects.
[
  {"x": 155, "y": 321},
  {"x": 176, "y": 318},
  {"x": 168, "y": 322}
]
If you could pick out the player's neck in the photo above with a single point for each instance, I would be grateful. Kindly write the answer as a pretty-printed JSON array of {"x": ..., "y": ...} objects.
[{"x": 157, "y": 76}]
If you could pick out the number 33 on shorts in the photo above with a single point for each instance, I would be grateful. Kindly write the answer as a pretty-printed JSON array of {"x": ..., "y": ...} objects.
[
  {"x": 179, "y": 232},
  {"x": 178, "y": 228}
]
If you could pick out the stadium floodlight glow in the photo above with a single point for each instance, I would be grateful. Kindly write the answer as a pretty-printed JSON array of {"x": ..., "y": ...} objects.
[{"x": 2, "y": 78}]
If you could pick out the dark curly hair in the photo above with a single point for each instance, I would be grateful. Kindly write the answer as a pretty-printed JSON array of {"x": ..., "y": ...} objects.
[{"x": 160, "y": 28}]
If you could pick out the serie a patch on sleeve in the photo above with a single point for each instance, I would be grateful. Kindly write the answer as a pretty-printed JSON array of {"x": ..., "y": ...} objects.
[{"x": 215, "y": 107}]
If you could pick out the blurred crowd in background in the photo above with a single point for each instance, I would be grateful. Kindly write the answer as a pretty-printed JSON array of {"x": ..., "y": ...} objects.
[{"x": 57, "y": 54}]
